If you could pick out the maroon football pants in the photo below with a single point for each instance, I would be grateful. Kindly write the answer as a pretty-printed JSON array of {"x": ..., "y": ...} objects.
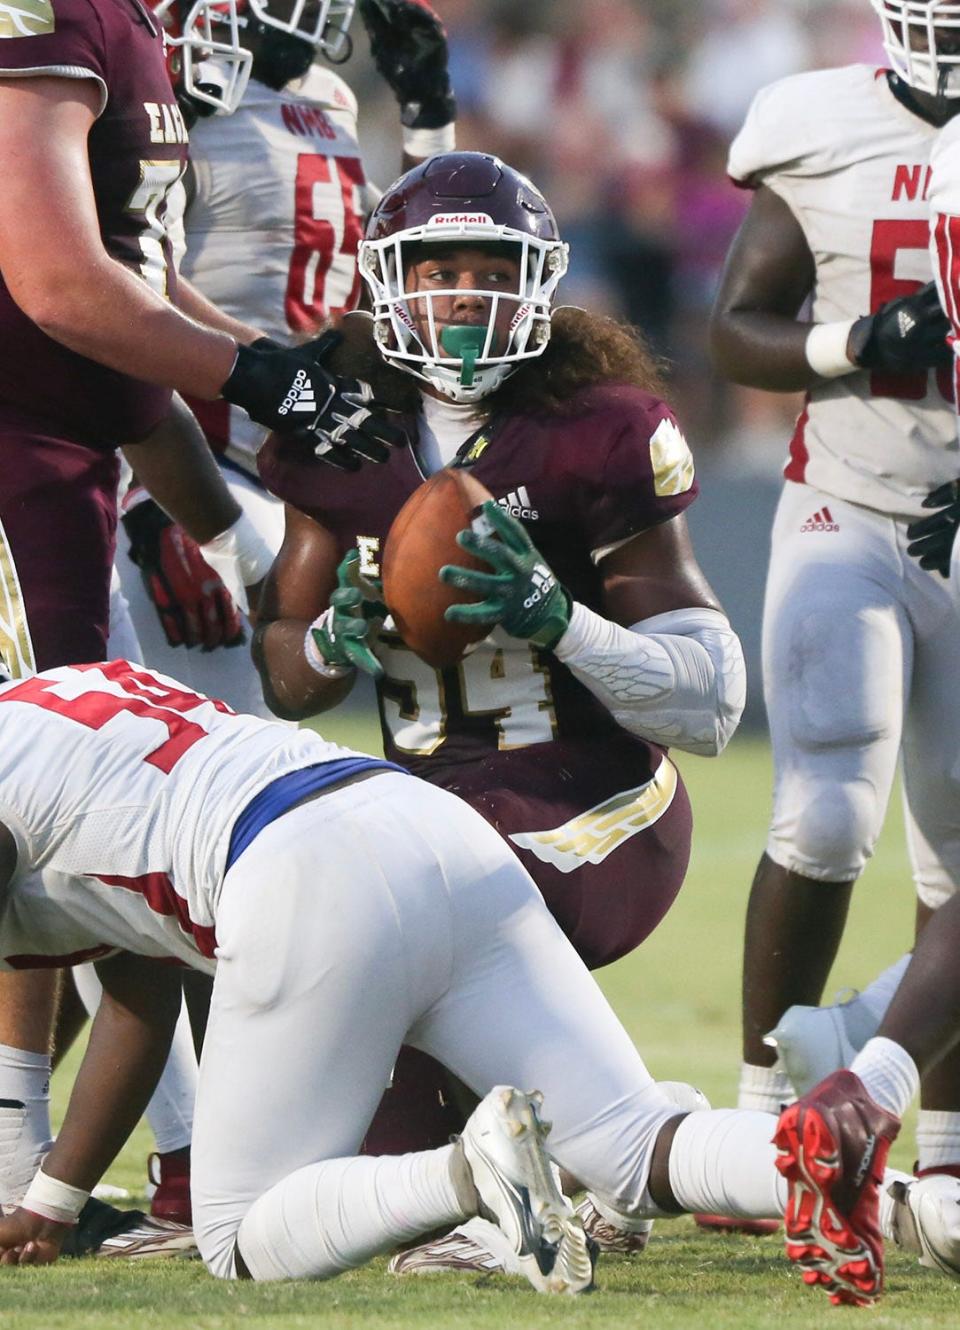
[{"x": 58, "y": 518}]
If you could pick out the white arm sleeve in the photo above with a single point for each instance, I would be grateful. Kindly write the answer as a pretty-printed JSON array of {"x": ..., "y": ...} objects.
[{"x": 677, "y": 679}]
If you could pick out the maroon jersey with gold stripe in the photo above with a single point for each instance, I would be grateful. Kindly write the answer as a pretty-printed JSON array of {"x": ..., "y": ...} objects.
[
  {"x": 509, "y": 728},
  {"x": 137, "y": 151},
  {"x": 614, "y": 466}
]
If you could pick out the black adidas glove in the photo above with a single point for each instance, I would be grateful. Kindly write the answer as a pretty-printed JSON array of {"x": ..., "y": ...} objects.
[
  {"x": 904, "y": 335},
  {"x": 932, "y": 537},
  {"x": 409, "y": 47},
  {"x": 288, "y": 390}
]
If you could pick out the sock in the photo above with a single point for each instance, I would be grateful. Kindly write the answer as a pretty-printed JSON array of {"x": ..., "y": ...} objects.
[
  {"x": 763, "y": 1089},
  {"x": 170, "y": 1111},
  {"x": 862, "y": 1014},
  {"x": 335, "y": 1215},
  {"x": 889, "y": 1074},
  {"x": 722, "y": 1162},
  {"x": 938, "y": 1139},
  {"x": 25, "y": 1135}
]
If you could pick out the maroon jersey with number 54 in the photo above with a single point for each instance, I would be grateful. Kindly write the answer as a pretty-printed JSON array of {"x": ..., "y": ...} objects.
[
  {"x": 613, "y": 466},
  {"x": 137, "y": 151},
  {"x": 509, "y": 728}
]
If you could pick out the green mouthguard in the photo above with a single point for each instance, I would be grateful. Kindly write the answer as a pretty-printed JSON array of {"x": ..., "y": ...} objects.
[{"x": 465, "y": 343}]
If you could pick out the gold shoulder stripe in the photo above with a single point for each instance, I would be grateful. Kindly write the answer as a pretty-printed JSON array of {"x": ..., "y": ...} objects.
[
  {"x": 591, "y": 836},
  {"x": 16, "y": 646},
  {"x": 671, "y": 459},
  {"x": 27, "y": 18}
]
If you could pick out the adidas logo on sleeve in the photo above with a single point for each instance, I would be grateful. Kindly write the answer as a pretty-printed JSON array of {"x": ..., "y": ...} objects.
[
  {"x": 517, "y": 503},
  {"x": 821, "y": 521}
]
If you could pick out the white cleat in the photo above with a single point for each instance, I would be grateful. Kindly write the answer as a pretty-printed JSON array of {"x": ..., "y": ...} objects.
[
  {"x": 502, "y": 1144},
  {"x": 926, "y": 1221},
  {"x": 812, "y": 1043}
]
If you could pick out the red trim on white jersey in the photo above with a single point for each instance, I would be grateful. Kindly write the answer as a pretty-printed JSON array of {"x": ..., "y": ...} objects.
[
  {"x": 947, "y": 241},
  {"x": 796, "y": 468},
  {"x": 163, "y": 898},
  {"x": 30, "y": 962}
]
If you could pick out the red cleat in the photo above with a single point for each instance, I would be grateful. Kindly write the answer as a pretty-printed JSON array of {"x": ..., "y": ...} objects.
[
  {"x": 752, "y": 1228},
  {"x": 833, "y": 1144},
  {"x": 170, "y": 1174}
]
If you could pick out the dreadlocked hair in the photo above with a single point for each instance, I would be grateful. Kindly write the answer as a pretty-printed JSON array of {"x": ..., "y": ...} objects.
[{"x": 584, "y": 350}]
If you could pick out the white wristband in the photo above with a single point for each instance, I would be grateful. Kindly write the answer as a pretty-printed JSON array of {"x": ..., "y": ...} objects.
[
  {"x": 241, "y": 557},
  {"x": 315, "y": 660},
  {"x": 428, "y": 142},
  {"x": 52, "y": 1199},
  {"x": 826, "y": 349}
]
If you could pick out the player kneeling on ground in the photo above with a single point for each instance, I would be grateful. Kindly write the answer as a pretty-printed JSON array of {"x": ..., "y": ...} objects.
[
  {"x": 350, "y": 908},
  {"x": 601, "y": 642}
]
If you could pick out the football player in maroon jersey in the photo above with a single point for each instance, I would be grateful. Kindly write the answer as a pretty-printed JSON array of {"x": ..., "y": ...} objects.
[{"x": 556, "y": 726}]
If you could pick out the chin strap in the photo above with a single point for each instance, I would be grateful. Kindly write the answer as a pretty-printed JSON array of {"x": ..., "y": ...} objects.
[{"x": 677, "y": 679}]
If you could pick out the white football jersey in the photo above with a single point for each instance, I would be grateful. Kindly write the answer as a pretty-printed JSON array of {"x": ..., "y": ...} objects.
[
  {"x": 853, "y": 165},
  {"x": 273, "y": 226},
  {"x": 121, "y": 788}
]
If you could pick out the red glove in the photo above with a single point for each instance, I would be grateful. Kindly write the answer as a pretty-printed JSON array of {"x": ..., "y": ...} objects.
[{"x": 194, "y": 606}]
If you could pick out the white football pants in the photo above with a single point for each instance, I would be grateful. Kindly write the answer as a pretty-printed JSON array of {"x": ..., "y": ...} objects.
[
  {"x": 228, "y": 672},
  {"x": 381, "y": 913},
  {"x": 861, "y": 653}
]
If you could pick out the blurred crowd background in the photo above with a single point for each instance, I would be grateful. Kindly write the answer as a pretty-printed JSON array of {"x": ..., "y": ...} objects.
[{"x": 622, "y": 112}]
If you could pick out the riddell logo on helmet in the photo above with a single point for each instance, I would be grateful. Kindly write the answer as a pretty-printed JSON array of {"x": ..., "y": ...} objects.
[
  {"x": 519, "y": 317},
  {"x": 460, "y": 219},
  {"x": 821, "y": 521}
]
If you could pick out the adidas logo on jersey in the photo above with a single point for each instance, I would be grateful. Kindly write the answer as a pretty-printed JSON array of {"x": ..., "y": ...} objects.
[
  {"x": 300, "y": 397},
  {"x": 821, "y": 521},
  {"x": 517, "y": 504}
]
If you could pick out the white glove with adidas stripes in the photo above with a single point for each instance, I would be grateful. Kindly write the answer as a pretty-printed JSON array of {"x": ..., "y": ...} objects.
[{"x": 287, "y": 389}]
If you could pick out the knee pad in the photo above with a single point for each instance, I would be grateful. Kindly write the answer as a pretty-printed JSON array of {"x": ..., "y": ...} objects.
[{"x": 829, "y": 834}]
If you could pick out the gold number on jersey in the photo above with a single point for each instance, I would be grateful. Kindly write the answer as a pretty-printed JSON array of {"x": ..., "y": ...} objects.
[
  {"x": 507, "y": 684},
  {"x": 151, "y": 200}
]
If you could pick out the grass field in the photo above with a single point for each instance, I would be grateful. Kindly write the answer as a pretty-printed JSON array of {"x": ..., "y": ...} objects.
[{"x": 679, "y": 999}]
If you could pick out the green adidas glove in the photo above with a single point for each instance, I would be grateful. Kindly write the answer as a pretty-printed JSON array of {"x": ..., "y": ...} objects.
[
  {"x": 521, "y": 594},
  {"x": 346, "y": 632}
]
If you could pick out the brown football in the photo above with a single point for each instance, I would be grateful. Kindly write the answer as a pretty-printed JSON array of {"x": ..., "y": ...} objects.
[{"x": 421, "y": 540}]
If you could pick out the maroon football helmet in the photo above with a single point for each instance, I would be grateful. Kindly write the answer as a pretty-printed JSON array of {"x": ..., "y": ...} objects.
[{"x": 463, "y": 199}]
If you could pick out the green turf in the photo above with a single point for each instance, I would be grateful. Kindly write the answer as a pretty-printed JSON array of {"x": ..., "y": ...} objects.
[{"x": 679, "y": 998}]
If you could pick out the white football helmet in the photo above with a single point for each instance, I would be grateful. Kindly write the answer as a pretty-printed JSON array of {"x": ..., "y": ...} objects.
[
  {"x": 922, "y": 41},
  {"x": 462, "y": 199},
  {"x": 322, "y": 23},
  {"x": 204, "y": 55}
]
